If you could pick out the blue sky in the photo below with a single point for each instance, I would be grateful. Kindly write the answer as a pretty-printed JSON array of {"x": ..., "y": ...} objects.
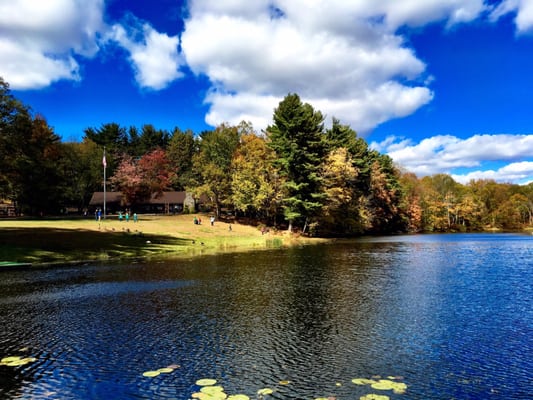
[{"x": 442, "y": 86}]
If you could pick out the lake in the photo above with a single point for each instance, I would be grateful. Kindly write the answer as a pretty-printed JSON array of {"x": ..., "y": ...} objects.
[{"x": 450, "y": 316}]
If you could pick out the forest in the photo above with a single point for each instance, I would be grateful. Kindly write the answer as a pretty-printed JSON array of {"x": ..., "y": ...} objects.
[{"x": 296, "y": 175}]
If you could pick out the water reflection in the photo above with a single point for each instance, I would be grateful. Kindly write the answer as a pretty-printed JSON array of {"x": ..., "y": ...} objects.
[{"x": 450, "y": 314}]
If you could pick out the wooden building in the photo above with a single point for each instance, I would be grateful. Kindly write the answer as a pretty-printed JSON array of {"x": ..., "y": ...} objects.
[{"x": 166, "y": 203}]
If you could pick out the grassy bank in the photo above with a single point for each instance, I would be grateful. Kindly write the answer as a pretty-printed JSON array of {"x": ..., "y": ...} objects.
[{"x": 71, "y": 240}]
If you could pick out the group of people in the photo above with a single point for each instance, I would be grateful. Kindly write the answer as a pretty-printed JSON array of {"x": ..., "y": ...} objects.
[
  {"x": 126, "y": 216},
  {"x": 198, "y": 221}
]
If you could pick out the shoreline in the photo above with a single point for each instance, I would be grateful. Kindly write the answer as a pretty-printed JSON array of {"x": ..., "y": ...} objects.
[{"x": 44, "y": 243}]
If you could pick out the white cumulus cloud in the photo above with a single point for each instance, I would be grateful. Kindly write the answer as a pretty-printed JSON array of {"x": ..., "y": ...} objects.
[
  {"x": 521, "y": 173},
  {"x": 449, "y": 154},
  {"x": 154, "y": 56},
  {"x": 39, "y": 38},
  {"x": 344, "y": 58}
]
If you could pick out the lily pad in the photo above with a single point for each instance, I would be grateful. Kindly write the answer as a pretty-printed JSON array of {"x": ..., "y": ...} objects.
[
  {"x": 383, "y": 384},
  {"x": 284, "y": 382},
  {"x": 265, "y": 391},
  {"x": 7, "y": 360},
  {"x": 17, "y": 363},
  {"x": 212, "y": 390},
  {"x": 238, "y": 397},
  {"x": 166, "y": 370},
  {"x": 373, "y": 396},
  {"x": 206, "y": 382},
  {"x": 399, "y": 388},
  {"x": 151, "y": 374},
  {"x": 363, "y": 381}
]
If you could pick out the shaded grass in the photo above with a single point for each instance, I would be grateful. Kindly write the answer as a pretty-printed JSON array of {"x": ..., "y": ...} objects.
[{"x": 54, "y": 244}]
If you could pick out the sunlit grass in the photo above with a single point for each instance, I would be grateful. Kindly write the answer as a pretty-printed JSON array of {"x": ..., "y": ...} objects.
[{"x": 71, "y": 240}]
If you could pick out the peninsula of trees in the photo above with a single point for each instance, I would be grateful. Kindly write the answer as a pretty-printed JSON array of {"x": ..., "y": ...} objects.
[{"x": 296, "y": 175}]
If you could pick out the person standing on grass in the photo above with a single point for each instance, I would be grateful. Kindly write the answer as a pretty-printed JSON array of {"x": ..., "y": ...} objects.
[{"x": 212, "y": 219}]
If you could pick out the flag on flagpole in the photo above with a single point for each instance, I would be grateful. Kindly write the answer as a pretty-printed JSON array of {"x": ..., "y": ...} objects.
[{"x": 104, "y": 162}]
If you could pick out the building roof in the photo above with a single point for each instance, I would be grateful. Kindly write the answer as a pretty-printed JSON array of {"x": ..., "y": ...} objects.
[
  {"x": 115, "y": 197},
  {"x": 110, "y": 197}
]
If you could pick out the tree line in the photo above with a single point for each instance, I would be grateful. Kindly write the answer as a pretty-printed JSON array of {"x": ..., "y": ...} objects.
[{"x": 297, "y": 174}]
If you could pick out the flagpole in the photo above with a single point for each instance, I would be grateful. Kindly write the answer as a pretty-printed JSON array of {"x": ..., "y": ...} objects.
[{"x": 105, "y": 165}]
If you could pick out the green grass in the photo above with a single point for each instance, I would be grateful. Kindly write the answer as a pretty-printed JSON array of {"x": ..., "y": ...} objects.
[{"x": 78, "y": 240}]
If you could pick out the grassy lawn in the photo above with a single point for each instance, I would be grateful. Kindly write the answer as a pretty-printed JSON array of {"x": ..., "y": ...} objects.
[{"x": 71, "y": 240}]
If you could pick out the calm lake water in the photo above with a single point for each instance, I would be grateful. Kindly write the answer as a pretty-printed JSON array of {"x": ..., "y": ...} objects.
[{"x": 451, "y": 316}]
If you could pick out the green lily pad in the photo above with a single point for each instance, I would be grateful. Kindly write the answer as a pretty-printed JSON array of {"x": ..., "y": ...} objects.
[
  {"x": 265, "y": 391},
  {"x": 373, "y": 396},
  {"x": 7, "y": 360},
  {"x": 206, "y": 382},
  {"x": 363, "y": 381},
  {"x": 17, "y": 363},
  {"x": 166, "y": 370},
  {"x": 212, "y": 389},
  {"x": 151, "y": 374},
  {"x": 238, "y": 397},
  {"x": 399, "y": 387},
  {"x": 284, "y": 382},
  {"x": 383, "y": 384}
]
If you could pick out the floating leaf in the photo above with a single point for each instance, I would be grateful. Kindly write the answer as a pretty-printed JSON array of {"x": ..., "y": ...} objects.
[
  {"x": 383, "y": 384},
  {"x": 284, "y": 382},
  {"x": 238, "y": 397},
  {"x": 166, "y": 370},
  {"x": 399, "y": 387},
  {"x": 7, "y": 360},
  {"x": 17, "y": 363},
  {"x": 206, "y": 382},
  {"x": 151, "y": 374},
  {"x": 173, "y": 366},
  {"x": 363, "y": 381},
  {"x": 199, "y": 395},
  {"x": 265, "y": 391},
  {"x": 212, "y": 389},
  {"x": 338, "y": 384},
  {"x": 373, "y": 396}
]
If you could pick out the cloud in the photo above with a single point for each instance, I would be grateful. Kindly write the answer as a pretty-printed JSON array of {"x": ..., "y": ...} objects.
[
  {"x": 42, "y": 42},
  {"x": 523, "y": 10},
  {"x": 448, "y": 154},
  {"x": 344, "y": 58},
  {"x": 521, "y": 173},
  {"x": 154, "y": 56},
  {"x": 38, "y": 40}
]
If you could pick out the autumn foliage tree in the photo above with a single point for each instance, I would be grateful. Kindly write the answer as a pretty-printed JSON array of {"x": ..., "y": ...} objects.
[{"x": 140, "y": 179}]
